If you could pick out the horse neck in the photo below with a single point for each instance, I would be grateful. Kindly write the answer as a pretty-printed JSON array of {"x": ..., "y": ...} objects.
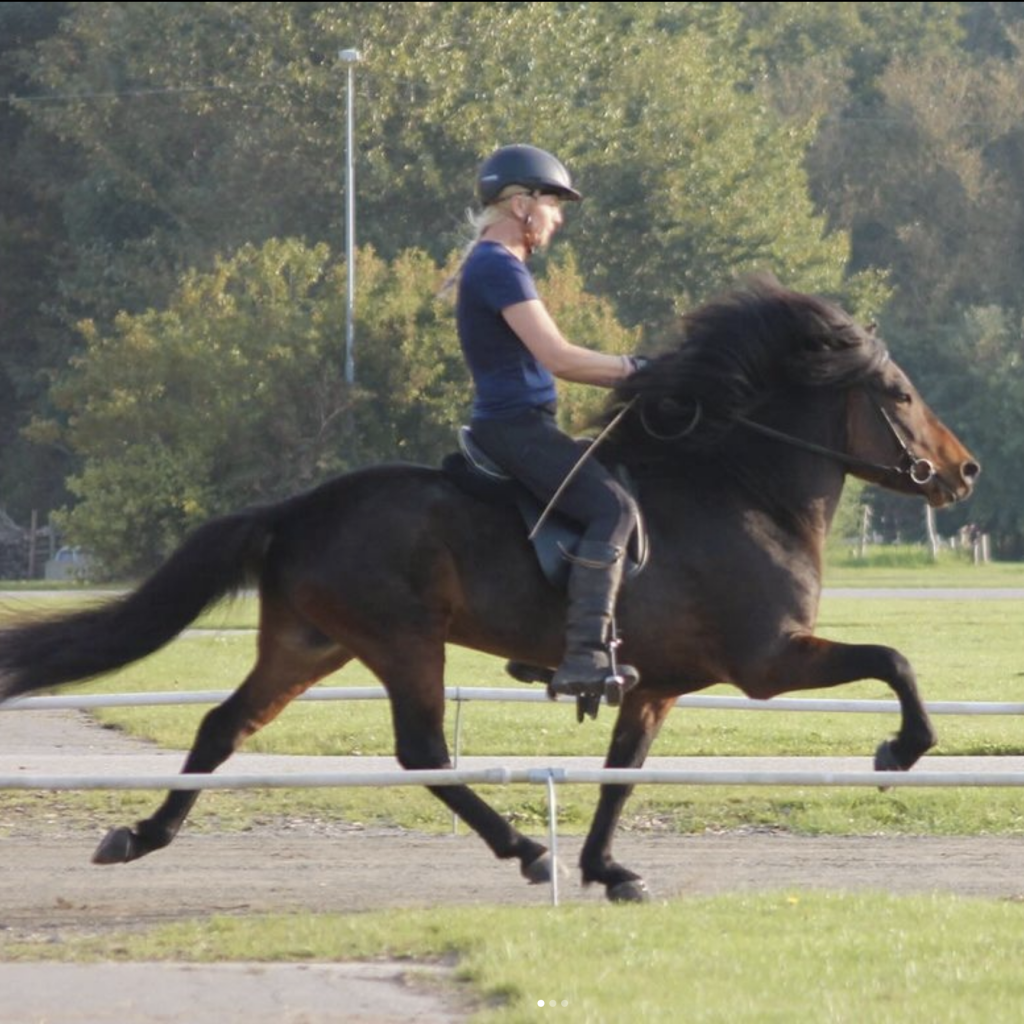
[
  {"x": 806, "y": 484},
  {"x": 796, "y": 490}
]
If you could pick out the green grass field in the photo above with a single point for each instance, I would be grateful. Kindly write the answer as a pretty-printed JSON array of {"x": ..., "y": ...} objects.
[
  {"x": 912, "y": 567},
  {"x": 741, "y": 959}
]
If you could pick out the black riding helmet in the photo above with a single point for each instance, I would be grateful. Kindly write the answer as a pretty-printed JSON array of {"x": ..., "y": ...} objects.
[{"x": 535, "y": 169}]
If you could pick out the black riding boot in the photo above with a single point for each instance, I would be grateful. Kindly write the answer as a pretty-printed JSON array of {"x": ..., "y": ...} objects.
[{"x": 593, "y": 587}]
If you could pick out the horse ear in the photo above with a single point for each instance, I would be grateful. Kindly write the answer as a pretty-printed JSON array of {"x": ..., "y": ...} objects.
[{"x": 872, "y": 328}]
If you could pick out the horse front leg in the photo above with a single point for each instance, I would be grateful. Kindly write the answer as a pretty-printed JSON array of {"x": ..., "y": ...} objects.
[
  {"x": 808, "y": 663},
  {"x": 640, "y": 718},
  {"x": 418, "y": 712}
]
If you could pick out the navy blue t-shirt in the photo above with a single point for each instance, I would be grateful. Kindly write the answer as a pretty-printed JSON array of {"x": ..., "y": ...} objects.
[{"x": 507, "y": 377}]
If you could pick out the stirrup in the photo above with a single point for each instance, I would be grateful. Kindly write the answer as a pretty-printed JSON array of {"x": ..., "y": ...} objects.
[{"x": 617, "y": 682}]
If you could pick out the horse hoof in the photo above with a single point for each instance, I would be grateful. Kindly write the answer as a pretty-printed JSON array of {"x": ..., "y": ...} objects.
[
  {"x": 632, "y": 891},
  {"x": 886, "y": 759},
  {"x": 118, "y": 847},
  {"x": 539, "y": 870}
]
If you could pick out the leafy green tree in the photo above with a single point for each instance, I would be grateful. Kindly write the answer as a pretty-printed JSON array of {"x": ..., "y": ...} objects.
[
  {"x": 234, "y": 395},
  {"x": 991, "y": 26},
  {"x": 697, "y": 182},
  {"x": 587, "y": 320},
  {"x": 32, "y": 244},
  {"x": 987, "y": 391},
  {"x": 814, "y": 52},
  {"x": 217, "y": 401},
  {"x": 938, "y": 201},
  {"x": 918, "y": 157},
  {"x": 413, "y": 386},
  {"x": 198, "y": 129},
  {"x": 189, "y": 113}
]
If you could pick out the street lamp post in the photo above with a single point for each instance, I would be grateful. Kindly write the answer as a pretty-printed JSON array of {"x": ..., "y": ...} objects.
[{"x": 350, "y": 58}]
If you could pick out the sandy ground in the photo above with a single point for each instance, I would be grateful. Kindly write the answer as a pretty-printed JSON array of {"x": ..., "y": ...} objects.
[{"x": 49, "y": 890}]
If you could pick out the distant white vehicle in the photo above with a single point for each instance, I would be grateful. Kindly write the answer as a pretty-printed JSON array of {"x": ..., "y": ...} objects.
[{"x": 67, "y": 564}]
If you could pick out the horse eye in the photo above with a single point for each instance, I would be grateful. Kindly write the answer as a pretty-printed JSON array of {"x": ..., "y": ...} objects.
[{"x": 894, "y": 393}]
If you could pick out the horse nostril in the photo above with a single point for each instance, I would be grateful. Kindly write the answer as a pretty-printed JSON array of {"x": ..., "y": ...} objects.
[{"x": 969, "y": 471}]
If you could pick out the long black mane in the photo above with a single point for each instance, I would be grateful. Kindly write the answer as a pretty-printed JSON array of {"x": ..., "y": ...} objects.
[{"x": 732, "y": 357}]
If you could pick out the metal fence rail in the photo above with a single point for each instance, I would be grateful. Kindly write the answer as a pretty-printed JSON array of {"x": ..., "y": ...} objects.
[{"x": 464, "y": 694}]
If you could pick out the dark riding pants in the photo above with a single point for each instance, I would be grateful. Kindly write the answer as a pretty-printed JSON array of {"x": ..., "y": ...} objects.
[{"x": 531, "y": 447}]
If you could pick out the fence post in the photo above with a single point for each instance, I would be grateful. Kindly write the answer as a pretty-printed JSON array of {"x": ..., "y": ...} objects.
[
  {"x": 33, "y": 527},
  {"x": 553, "y": 835},
  {"x": 933, "y": 534},
  {"x": 865, "y": 527}
]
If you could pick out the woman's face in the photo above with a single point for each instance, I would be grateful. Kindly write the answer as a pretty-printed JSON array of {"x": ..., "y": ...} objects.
[{"x": 545, "y": 213}]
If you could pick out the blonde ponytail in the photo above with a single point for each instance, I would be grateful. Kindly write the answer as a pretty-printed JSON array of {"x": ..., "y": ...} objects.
[{"x": 479, "y": 222}]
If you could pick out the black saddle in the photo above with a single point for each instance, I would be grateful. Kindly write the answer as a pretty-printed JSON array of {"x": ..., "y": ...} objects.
[{"x": 559, "y": 536}]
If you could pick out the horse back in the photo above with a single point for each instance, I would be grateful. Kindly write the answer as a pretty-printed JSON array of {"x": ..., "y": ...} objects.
[{"x": 401, "y": 547}]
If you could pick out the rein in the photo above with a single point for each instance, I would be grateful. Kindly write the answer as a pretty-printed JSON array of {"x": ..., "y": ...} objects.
[{"x": 920, "y": 471}]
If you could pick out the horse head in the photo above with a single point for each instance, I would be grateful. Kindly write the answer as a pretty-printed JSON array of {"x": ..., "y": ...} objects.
[
  {"x": 761, "y": 359},
  {"x": 895, "y": 440}
]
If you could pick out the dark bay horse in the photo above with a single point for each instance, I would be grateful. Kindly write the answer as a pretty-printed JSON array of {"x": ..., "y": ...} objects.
[{"x": 739, "y": 437}]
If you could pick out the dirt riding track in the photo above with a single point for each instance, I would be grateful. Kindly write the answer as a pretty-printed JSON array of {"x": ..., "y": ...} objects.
[
  {"x": 49, "y": 890},
  {"x": 49, "y": 885}
]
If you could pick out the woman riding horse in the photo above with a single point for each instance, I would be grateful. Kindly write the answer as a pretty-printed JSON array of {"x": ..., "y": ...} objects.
[
  {"x": 740, "y": 438},
  {"x": 514, "y": 351}
]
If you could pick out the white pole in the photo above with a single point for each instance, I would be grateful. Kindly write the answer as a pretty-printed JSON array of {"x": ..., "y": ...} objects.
[
  {"x": 548, "y": 777},
  {"x": 553, "y": 836},
  {"x": 932, "y": 532},
  {"x": 350, "y": 58}
]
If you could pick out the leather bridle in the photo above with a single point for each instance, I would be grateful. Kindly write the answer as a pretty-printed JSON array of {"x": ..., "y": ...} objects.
[{"x": 920, "y": 471}]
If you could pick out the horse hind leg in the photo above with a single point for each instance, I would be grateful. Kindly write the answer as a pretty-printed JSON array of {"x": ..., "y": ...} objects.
[{"x": 282, "y": 673}]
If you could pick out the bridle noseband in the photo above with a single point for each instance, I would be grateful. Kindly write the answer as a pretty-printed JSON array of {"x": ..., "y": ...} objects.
[{"x": 920, "y": 471}]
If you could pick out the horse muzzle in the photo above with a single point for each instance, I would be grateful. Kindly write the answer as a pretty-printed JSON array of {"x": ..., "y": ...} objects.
[{"x": 941, "y": 492}]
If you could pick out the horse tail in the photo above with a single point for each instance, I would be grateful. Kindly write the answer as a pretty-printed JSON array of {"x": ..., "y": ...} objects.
[{"x": 216, "y": 560}]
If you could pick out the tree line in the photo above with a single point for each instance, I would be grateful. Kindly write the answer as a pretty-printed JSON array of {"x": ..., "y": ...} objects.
[{"x": 171, "y": 222}]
